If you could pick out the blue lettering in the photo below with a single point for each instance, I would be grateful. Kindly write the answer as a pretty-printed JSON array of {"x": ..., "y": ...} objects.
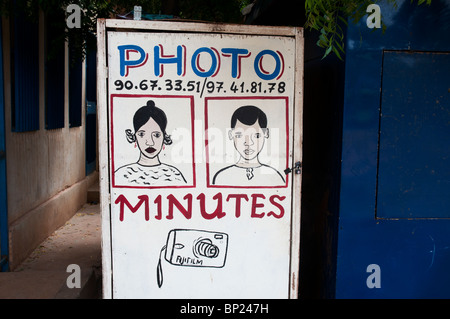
[
  {"x": 215, "y": 62},
  {"x": 263, "y": 74},
  {"x": 124, "y": 59},
  {"x": 236, "y": 55},
  {"x": 161, "y": 59},
  {"x": 205, "y": 61}
]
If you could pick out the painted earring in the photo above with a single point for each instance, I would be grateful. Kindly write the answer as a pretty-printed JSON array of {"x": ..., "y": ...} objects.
[{"x": 135, "y": 144}]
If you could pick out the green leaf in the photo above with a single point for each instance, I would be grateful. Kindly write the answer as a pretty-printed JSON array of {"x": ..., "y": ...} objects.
[
  {"x": 340, "y": 46},
  {"x": 337, "y": 53},
  {"x": 327, "y": 52}
]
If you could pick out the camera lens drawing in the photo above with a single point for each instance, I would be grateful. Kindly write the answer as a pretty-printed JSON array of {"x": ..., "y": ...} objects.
[
  {"x": 205, "y": 248},
  {"x": 193, "y": 248}
]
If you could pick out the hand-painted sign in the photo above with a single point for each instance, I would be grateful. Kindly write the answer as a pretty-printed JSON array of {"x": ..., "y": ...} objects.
[{"x": 201, "y": 130}]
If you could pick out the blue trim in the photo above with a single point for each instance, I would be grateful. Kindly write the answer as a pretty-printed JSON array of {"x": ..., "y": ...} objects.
[
  {"x": 75, "y": 90},
  {"x": 54, "y": 77},
  {"x": 91, "y": 111},
  {"x": 24, "y": 67},
  {"x": 91, "y": 136},
  {"x": 4, "y": 244},
  {"x": 146, "y": 16}
]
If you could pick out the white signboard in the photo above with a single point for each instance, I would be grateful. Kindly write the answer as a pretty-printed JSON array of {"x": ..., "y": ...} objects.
[{"x": 199, "y": 128}]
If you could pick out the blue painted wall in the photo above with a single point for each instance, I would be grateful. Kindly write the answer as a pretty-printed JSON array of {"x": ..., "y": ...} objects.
[{"x": 395, "y": 186}]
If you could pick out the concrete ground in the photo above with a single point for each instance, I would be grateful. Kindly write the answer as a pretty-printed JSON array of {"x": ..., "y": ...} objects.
[{"x": 44, "y": 274}]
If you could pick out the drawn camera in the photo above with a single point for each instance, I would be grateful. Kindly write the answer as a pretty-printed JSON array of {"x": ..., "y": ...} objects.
[{"x": 196, "y": 248}]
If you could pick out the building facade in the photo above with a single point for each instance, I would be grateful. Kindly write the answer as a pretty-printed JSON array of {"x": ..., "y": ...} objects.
[{"x": 46, "y": 175}]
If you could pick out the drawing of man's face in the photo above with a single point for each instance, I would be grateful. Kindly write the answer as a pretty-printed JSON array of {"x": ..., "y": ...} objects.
[
  {"x": 248, "y": 139},
  {"x": 150, "y": 139}
]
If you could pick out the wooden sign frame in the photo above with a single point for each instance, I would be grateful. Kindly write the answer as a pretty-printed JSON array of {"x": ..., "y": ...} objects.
[{"x": 107, "y": 100}]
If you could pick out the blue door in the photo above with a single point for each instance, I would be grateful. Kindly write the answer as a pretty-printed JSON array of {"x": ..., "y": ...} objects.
[
  {"x": 3, "y": 198},
  {"x": 91, "y": 111},
  {"x": 394, "y": 224}
]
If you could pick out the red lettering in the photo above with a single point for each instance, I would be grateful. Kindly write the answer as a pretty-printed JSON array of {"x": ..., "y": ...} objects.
[
  {"x": 256, "y": 205},
  {"x": 238, "y": 198},
  {"x": 123, "y": 201},
  {"x": 217, "y": 213},
  {"x": 174, "y": 202},
  {"x": 258, "y": 202},
  {"x": 280, "y": 207},
  {"x": 158, "y": 203}
]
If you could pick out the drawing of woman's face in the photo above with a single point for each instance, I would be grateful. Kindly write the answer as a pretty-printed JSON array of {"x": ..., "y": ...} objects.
[
  {"x": 248, "y": 139},
  {"x": 150, "y": 139}
]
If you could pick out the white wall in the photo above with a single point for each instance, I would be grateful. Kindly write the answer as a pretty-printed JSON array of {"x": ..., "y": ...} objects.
[{"x": 46, "y": 180}]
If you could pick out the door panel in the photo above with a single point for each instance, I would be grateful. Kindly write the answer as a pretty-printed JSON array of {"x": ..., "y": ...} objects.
[
  {"x": 414, "y": 151},
  {"x": 393, "y": 209}
]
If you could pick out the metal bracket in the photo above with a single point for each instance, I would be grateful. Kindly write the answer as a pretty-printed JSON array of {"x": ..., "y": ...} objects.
[{"x": 297, "y": 168}]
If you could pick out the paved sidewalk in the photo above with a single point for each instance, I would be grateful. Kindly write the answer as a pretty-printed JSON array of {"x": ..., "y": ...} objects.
[{"x": 43, "y": 274}]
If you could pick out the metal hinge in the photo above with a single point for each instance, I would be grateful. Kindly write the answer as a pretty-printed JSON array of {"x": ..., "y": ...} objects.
[{"x": 297, "y": 168}]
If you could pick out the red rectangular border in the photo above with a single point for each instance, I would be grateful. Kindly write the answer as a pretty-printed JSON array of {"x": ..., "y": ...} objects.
[
  {"x": 208, "y": 184},
  {"x": 191, "y": 97}
]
